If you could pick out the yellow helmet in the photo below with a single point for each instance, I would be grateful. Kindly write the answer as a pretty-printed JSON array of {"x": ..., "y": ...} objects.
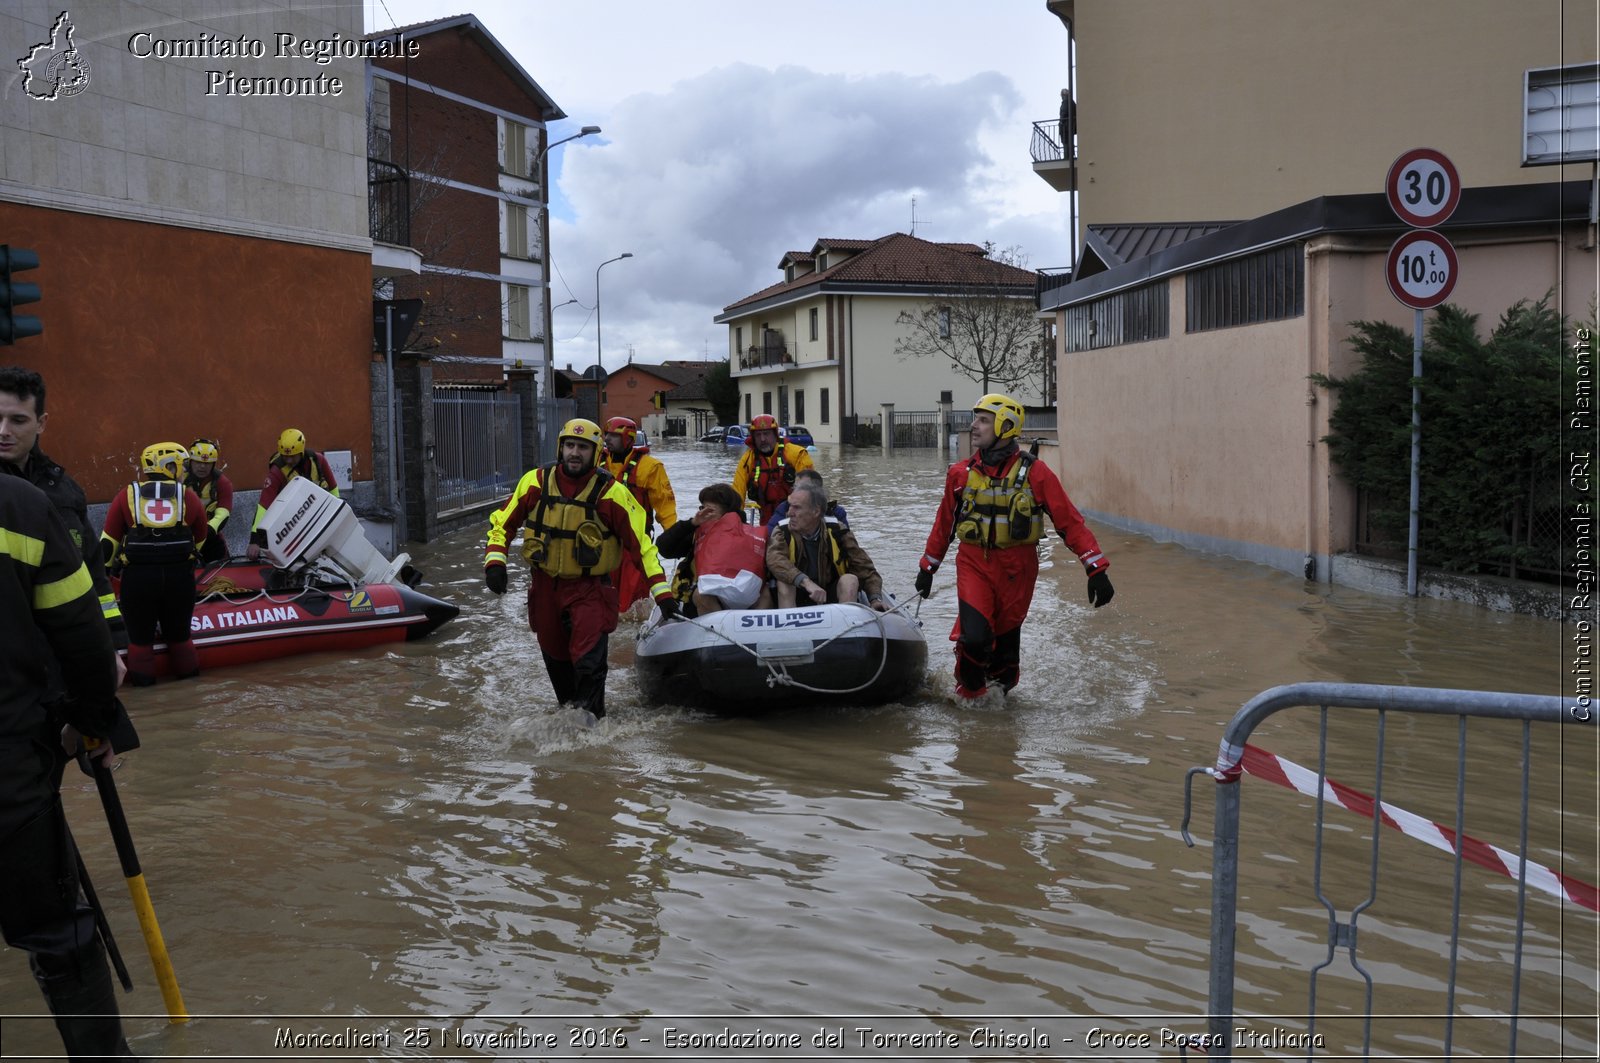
[
  {"x": 164, "y": 459},
  {"x": 292, "y": 443},
  {"x": 1007, "y": 414},
  {"x": 204, "y": 450},
  {"x": 584, "y": 430}
]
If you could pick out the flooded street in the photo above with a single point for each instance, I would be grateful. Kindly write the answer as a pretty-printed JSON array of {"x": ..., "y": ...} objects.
[{"x": 336, "y": 843}]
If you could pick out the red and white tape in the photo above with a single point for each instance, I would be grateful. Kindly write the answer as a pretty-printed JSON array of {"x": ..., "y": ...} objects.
[{"x": 1273, "y": 768}]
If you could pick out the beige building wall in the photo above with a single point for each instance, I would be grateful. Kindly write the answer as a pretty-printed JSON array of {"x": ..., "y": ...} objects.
[
  {"x": 1235, "y": 108},
  {"x": 146, "y": 142},
  {"x": 1214, "y": 438}
]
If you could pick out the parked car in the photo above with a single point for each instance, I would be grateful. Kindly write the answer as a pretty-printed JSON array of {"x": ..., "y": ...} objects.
[
  {"x": 642, "y": 439},
  {"x": 714, "y": 435},
  {"x": 798, "y": 434},
  {"x": 734, "y": 435}
]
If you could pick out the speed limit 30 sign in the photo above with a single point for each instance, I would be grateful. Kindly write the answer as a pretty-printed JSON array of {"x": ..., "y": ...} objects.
[
  {"x": 1422, "y": 269},
  {"x": 1423, "y": 188}
]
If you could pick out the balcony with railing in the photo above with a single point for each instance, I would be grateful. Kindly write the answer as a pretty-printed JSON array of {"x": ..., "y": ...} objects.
[
  {"x": 389, "y": 220},
  {"x": 1056, "y": 162},
  {"x": 772, "y": 353}
]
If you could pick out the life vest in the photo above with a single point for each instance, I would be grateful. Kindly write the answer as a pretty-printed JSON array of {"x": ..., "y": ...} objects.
[
  {"x": 836, "y": 555},
  {"x": 158, "y": 535},
  {"x": 999, "y": 511},
  {"x": 207, "y": 490},
  {"x": 564, "y": 537},
  {"x": 770, "y": 484},
  {"x": 310, "y": 468},
  {"x": 627, "y": 475},
  {"x": 727, "y": 546}
]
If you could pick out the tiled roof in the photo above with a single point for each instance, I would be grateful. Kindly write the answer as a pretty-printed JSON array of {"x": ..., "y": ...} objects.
[
  {"x": 694, "y": 389},
  {"x": 898, "y": 259}
]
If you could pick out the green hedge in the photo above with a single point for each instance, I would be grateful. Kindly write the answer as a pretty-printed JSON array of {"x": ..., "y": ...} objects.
[{"x": 1493, "y": 469}]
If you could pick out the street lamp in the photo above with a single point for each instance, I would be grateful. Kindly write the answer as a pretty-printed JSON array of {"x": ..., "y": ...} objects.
[
  {"x": 599, "y": 366},
  {"x": 544, "y": 212}
]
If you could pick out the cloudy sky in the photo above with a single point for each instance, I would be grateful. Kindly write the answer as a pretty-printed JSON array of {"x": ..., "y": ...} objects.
[{"x": 736, "y": 130}]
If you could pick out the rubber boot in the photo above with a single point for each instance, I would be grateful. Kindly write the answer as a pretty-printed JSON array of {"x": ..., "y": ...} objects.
[
  {"x": 183, "y": 659},
  {"x": 77, "y": 985},
  {"x": 590, "y": 671},
  {"x": 562, "y": 678},
  {"x": 1005, "y": 665},
  {"x": 970, "y": 680},
  {"x": 141, "y": 665}
]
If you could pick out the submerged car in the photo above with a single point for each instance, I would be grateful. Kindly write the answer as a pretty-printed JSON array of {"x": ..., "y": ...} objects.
[
  {"x": 734, "y": 435},
  {"x": 714, "y": 435},
  {"x": 799, "y": 435}
]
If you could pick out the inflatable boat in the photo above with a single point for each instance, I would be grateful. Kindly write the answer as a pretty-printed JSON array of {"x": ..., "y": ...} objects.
[
  {"x": 321, "y": 587},
  {"x": 753, "y": 660}
]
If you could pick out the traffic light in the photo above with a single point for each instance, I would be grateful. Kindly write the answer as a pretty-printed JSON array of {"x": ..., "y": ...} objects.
[{"x": 13, "y": 293}]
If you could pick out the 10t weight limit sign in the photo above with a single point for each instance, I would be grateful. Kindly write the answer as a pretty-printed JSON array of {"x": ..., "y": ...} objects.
[{"x": 1422, "y": 269}]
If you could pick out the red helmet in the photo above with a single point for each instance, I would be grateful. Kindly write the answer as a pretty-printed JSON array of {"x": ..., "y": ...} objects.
[
  {"x": 625, "y": 427},
  {"x": 763, "y": 421}
]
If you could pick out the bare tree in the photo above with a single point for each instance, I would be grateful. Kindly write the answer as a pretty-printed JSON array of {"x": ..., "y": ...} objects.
[{"x": 985, "y": 325}]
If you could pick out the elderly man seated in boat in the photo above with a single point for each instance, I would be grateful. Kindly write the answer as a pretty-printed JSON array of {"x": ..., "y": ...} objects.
[
  {"x": 723, "y": 560},
  {"x": 816, "y": 560}
]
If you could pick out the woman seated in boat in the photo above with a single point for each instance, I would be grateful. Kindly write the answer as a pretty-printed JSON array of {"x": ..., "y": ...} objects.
[
  {"x": 723, "y": 560},
  {"x": 814, "y": 556}
]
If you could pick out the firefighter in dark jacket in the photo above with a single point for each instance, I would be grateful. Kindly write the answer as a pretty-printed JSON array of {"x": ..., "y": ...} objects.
[
  {"x": 293, "y": 458},
  {"x": 577, "y": 525},
  {"x": 153, "y": 531},
  {"x": 52, "y": 630},
  {"x": 22, "y": 421},
  {"x": 995, "y": 502}
]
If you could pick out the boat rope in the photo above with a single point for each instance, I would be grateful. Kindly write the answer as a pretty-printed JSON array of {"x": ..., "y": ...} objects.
[
  {"x": 239, "y": 598},
  {"x": 778, "y": 673}
]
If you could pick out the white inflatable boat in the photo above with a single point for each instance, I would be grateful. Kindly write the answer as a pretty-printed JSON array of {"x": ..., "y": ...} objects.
[{"x": 753, "y": 660}]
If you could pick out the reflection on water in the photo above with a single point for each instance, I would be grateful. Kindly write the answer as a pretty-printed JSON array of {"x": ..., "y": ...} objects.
[{"x": 417, "y": 831}]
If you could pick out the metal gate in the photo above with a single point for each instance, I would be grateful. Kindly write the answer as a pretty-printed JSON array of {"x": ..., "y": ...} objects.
[
  {"x": 1350, "y": 1028},
  {"x": 477, "y": 446}
]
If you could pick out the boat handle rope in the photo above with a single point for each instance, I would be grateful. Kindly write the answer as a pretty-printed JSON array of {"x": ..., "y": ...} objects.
[{"x": 778, "y": 674}]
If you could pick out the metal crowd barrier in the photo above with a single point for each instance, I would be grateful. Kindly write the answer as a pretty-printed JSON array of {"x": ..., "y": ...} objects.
[{"x": 1235, "y": 757}]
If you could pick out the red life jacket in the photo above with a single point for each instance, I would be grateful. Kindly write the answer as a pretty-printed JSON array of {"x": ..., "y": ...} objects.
[{"x": 727, "y": 546}]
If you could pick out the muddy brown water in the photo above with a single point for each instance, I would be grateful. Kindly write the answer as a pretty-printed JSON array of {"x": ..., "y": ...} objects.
[{"x": 410, "y": 852}]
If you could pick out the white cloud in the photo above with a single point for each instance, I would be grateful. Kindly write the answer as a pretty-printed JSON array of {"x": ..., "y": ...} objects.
[{"x": 735, "y": 132}]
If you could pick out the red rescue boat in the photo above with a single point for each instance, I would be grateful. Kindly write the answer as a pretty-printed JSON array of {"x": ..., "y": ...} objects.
[
  {"x": 320, "y": 587},
  {"x": 250, "y": 611}
]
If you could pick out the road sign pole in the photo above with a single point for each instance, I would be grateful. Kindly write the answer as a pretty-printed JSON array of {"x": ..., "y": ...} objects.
[{"x": 1416, "y": 453}]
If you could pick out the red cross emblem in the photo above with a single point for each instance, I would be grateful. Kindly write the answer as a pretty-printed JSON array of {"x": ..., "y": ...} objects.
[{"x": 158, "y": 510}]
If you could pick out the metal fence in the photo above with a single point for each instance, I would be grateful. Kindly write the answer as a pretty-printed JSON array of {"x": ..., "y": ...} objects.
[
  {"x": 1526, "y": 543},
  {"x": 477, "y": 446},
  {"x": 1502, "y": 1008}
]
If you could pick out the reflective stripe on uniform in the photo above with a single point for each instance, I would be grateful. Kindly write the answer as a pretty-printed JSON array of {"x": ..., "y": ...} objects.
[
  {"x": 62, "y": 591},
  {"x": 24, "y": 548}
]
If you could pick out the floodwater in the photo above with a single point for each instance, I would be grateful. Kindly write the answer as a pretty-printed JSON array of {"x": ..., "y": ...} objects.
[{"x": 410, "y": 852}]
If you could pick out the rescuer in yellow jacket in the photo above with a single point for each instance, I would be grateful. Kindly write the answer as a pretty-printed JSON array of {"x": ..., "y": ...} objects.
[
  {"x": 578, "y": 524},
  {"x": 766, "y": 470},
  {"x": 643, "y": 474}
]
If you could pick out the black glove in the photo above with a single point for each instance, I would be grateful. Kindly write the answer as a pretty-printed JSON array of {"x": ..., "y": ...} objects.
[
  {"x": 259, "y": 537},
  {"x": 495, "y": 578},
  {"x": 668, "y": 607},
  {"x": 1100, "y": 591},
  {"x": 924, "y": 582}
]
